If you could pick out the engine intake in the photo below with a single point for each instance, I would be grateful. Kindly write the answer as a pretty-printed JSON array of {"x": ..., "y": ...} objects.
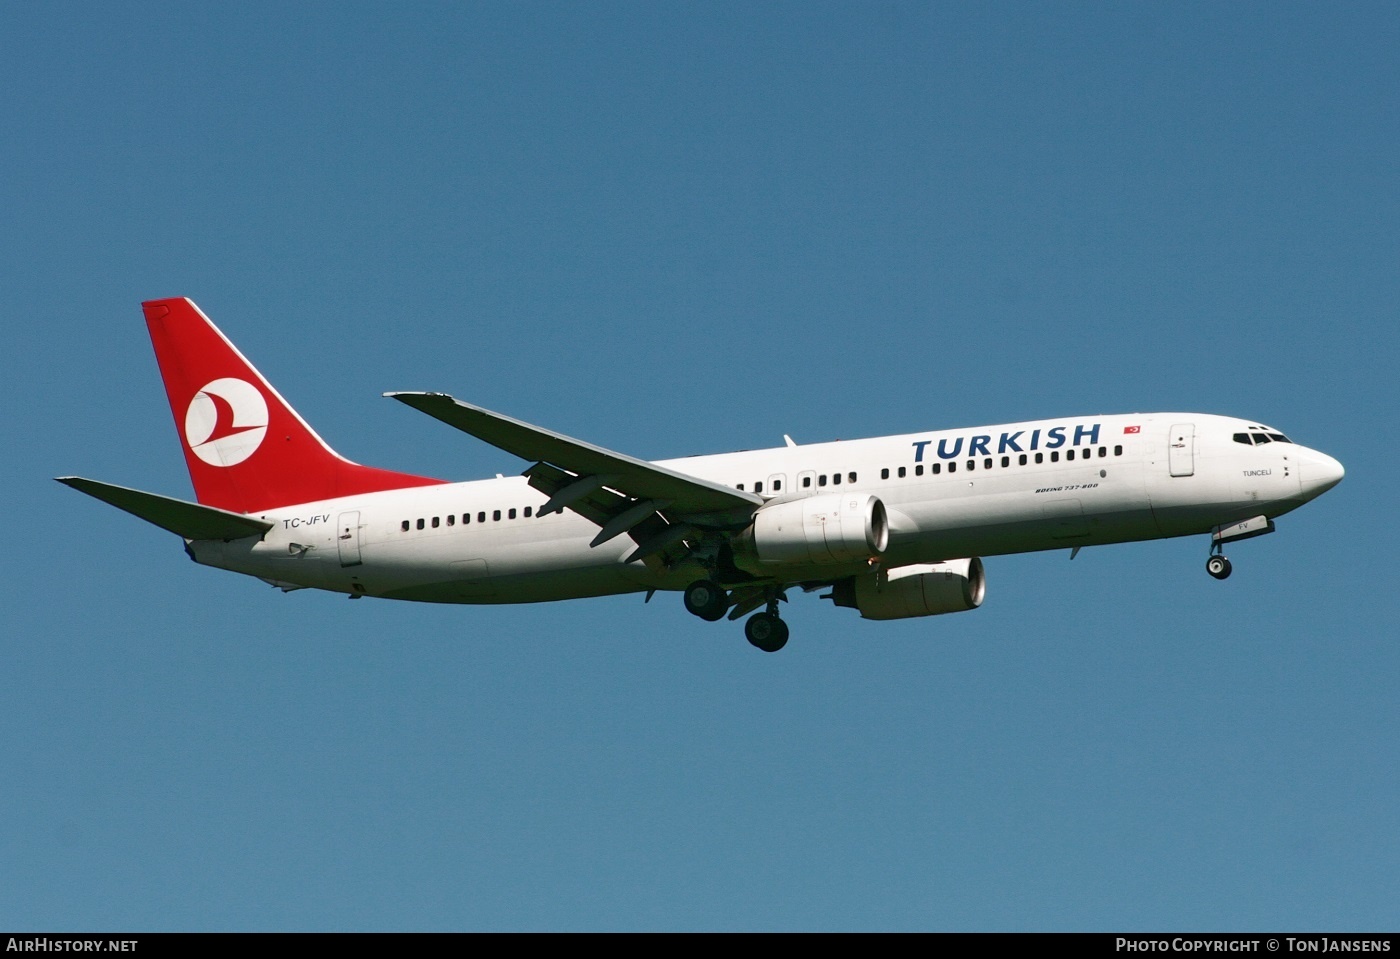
[
  {"x": 918, "y": 590},
  {"x": 820, "y": 530}
]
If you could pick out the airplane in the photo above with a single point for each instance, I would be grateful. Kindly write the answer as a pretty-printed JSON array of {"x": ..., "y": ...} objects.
[{"x": 893, "y": 527}]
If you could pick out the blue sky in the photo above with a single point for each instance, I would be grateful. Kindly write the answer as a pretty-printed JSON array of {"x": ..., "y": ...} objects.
[{"x": 677, "y": 228}]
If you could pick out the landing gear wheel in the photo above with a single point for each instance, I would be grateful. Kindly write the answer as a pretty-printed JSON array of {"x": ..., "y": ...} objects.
[
  {"x": 1219, "y": 567},
  {"x": 707, "y": 600},
  {"x": 766, "y": 631}
]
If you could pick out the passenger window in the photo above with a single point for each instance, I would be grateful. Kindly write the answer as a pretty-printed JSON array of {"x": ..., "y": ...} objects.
[
  {"x": 919, "y": 470},
  {"x": 1103, "y": 451},
  {"x": 466, "y": 518},
  {"x": 1069, "y": 454},
  {"x": 481, "y": 517},
  {"x": 451, "y": 519},
  {"x": 1021, "y": 459},
  {"x": 987, "y": 463},
  {"x": 528, "y": 511},
  {"x": 821, "y": 480},
  {"x": 952, "y": 467},
  {"x": 835, "y": 479},
  {"x": 1039, "y": 458},
  {"x": 972, "y": 464},
  {"x": 884, "y": 474},
  {"x": 495, "y": 516},
  {"x": 935, "y": 469},
  {"x": 901, "y": 472},
  {"x": 850, "y": 477},
  {"x": 1117, "y": 451},
  {"x": 511, "y": 514},
  {"x": 758, "y": 487},
  {"x": 806, "y": 482},
  {"x": 405, "y": 526},
  {"x": 777, "y": 486},
  {"x": 1055, "y": 456},
  {"x": 420, "y": 524},
  {"x": 435, "y": 522},
  {"x": 1005, "y": 462},
  {"x": 739, "y": 486}
]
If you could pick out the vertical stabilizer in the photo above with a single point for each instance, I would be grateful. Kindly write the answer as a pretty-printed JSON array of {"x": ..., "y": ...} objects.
[{"x": 246, "y": 448}]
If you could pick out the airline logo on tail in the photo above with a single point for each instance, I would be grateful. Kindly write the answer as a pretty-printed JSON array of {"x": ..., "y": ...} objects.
[
  {"x": 224, "y": 424},
  {"x": 226, "y": 421}
]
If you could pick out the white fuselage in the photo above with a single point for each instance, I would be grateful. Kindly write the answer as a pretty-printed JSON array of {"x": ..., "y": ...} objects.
[{"x": 1077, "y": 481}]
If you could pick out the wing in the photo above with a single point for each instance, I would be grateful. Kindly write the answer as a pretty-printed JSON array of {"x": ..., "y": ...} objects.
[
  {"x": 658, "y": 507},
  {"x": 190, "y": 520}
]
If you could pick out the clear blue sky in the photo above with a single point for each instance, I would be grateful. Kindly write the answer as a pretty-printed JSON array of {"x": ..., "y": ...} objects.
[{"x": 676, "y": 228}]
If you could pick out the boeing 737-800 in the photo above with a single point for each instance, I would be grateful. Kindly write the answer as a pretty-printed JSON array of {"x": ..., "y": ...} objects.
[{"x": 892, "y": 527}]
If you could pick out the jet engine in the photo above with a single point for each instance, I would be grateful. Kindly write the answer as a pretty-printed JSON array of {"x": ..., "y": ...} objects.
[
  {"x": 917, "y": 590},
  {"x": 819, "y": 530}
]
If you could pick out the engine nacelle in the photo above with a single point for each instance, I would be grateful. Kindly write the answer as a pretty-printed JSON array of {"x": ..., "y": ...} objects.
[
  {"x": 919, "y": 590},
  {"x": 819, "y": 530}
]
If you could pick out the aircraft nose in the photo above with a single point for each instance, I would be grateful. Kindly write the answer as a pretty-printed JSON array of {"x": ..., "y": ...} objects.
[{"x": 1319, "y": 472}]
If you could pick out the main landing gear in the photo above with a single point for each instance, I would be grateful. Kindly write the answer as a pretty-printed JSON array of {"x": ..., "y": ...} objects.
[
  {"x": 707, "y": 599},
  {"x": 765, "y": 630}
]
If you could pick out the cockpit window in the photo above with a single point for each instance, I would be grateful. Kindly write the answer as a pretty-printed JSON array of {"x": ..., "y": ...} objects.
[{"x": 1258, "y": 437}]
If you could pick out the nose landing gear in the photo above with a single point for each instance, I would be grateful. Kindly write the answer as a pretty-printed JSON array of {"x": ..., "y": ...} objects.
[{"x": 1217, "y": 565}]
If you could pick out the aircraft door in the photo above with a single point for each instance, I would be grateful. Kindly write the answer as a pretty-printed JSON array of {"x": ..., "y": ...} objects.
[
  {"x": 348, "y": 538},
  {"x": 777, "y": 483},
  {"x": 1181, "y": 449}
]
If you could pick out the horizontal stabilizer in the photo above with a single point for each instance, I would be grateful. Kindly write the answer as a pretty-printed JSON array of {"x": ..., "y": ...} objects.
[{"x": 189, "y": 520}]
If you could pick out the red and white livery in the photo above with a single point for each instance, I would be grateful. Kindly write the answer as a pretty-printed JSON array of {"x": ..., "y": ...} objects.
[{"x": 893, "y": 527}]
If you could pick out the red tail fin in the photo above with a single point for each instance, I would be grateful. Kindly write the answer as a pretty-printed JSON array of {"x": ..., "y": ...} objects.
[{"x": 247, "y": 449}]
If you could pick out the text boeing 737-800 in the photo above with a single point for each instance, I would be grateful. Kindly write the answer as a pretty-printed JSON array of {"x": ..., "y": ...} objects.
[{"x": 893, "y": 527}]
